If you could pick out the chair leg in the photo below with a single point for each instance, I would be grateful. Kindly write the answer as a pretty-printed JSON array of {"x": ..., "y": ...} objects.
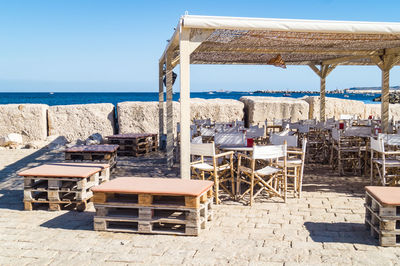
[
  {"x": 251, "y": 189},
  {"x": 216, "y": 188}
]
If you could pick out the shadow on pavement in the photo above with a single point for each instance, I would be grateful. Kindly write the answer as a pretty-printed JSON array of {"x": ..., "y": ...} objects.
[
  {"x": 71, "y": 220},
  {"x": 351, "y": 233}
]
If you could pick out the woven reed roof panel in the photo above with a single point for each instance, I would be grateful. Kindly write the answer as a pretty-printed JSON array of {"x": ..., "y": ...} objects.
[{"x": 225, "y": 46}]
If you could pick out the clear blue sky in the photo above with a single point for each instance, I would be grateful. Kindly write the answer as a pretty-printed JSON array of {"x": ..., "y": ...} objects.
[{"x": 71, "y": 45}]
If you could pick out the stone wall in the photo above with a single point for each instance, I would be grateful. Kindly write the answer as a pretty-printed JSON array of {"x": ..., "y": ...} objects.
[
  {"x": 334, "y": 107},
  {"x": 140, "y": 117},
  {"x": 219, "y": 110},
  {"x": 80, "y": 121},
  {"x": 258, "y": 109},
  {"x": 29, "y": 120},
  {"x": 375, "y": 110}
]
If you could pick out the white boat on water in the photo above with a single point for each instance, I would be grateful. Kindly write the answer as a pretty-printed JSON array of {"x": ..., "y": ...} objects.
[{"x": 346, "y": 96}]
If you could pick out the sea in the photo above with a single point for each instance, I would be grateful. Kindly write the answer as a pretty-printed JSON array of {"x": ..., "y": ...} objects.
[{"x": 67, "y": 98}]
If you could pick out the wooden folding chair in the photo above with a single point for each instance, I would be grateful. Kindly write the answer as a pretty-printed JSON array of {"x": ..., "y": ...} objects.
[
  {"x": 218, "y": 167},
  {"x": 385, "y": 162},
  {"x": 264, "y": 173},
  {"x": 295, "y": 161}
]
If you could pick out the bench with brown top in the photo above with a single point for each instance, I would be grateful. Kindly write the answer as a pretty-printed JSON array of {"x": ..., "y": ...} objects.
[
  {"x": 382, "y": 214},
  {"x": 153, "y": 205},
  {"x": 57, "y": 185},
  {"x": 93, "y": 153},
  {"x": 134, "y": 144}
]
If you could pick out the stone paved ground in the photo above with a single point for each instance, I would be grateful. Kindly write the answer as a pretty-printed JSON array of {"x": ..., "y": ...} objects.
[{"x": 324, "y": 227}]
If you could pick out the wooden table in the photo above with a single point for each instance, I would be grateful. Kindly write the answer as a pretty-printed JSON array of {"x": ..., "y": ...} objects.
[
  {"x": 153, "y": 205},
  {"x": 60, "y": 184},
  {"x": 89, "y": 153},
  {"x": 134, "y": 144}
]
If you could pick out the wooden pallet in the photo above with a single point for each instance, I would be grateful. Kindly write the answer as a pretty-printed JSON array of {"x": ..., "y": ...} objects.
[
  {"x": 55, "y": 205},
  {"x": 151, "y": 199},
  {"x": 93, "y": 153},
  {"x": 153, "y": 220},
  {"x": 382, "y": 220},
  {"x": 59, "y": 184},
  {"x": 153, "y": 205},
  {"x": 134, "y": 144}
]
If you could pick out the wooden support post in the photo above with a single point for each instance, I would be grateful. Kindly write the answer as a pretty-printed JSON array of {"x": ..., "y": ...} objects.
[
  {"x": 170, "y": 122},
  {"x": 160, "y": 101},
  {"x": 323, "y": 72},
  {"x": 385, "y": 63},
  {"x": 322, "y": 105},
  {"x": 385, "y": 100},
  {"x": 184, "y": 50}
]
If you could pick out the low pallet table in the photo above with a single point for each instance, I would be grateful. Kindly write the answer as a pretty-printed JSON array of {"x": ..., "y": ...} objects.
[
  {"x": 153, "y": 205},
  {"x": 60, "y": 185},
  {"x": 134, "y": 144},
  {"x": 93, "y": 153},
  {"x": 382, "y": 214}
]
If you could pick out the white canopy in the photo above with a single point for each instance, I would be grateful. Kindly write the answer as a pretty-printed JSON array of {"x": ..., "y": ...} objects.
[{"x": 322, "y": 45}]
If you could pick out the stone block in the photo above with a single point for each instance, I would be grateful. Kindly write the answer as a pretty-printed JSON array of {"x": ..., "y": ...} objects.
[
  {"x": 81, "y": 121},
  {"x": 334, "y": 107},
  {"x": 29, "y": 120},
  {"x": 258, "y": 109}
]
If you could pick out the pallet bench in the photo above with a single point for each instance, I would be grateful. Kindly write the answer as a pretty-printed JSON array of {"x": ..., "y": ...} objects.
[
  {"x": 382, "y": 214},
  {"x": 134, "y": 144},
  {"x": 93, "y": 153},
  {"x": 60, "y": 185},
  {"x": 153, "y": 205}
]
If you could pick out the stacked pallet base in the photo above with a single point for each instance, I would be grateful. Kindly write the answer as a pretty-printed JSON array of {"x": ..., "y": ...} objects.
[
  {"x": 152, "y": 214},
  {"x": 105, "y": 154},
  {"x": 134, "y": 144},
  {"x": 57, "y": 192},
  {"x": 383, "y": 220}
]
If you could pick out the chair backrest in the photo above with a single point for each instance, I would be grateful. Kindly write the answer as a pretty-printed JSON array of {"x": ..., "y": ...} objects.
[
  {"x": 207, "y": 132},
  {"x": 303, "y": 128},
  {"x": 346, "y": 117},
  {"x": 197, "y": 140},
  {"x": 335, "y": 134},
  {"x": 357, "y": 131},
  {"x": 202, "y": 122},
  {"x": 283, "y": 133},
  {"x": 255, "y": 132},
  {"x": 231, "y": 130},
  {"x": 269, "y": 152},
  {"x": 204, "y": 149},
  {"x": 230, "y": 139},
  {"x": 377, "y": 144},
  {"x": 390, "y": 139},
  {"x": 291, "y": 141}
]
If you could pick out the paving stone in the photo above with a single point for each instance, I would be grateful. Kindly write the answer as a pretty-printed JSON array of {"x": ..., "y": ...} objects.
[{"x": 327, "y": 221}]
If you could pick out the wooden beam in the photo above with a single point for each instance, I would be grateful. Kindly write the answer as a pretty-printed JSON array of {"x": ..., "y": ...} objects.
[
  {"x": 315, "y": 69},
  {"x": 291, "y": 51},
  {"x": 330, "y": 68},
  {"x": 344, "y": 59},
  {"x": 378, "y": 61},
  {"x": 323, "y": 72},
  {"x": 170, "y": 112},
  {"x": 185, "y": 51},
  {"x": 172, "y": 43},
  {"x": 160, "y": 101},
  {"x": 385, "y": 101}
]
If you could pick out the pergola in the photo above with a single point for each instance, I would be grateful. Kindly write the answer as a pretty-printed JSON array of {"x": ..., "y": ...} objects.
[{"x": 320, "y": 44}]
